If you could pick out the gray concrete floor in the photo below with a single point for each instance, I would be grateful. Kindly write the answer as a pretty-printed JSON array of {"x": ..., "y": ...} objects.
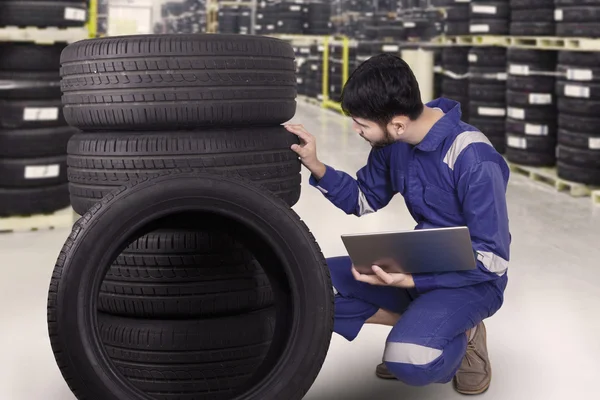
[{"x": 544, "y": 343}]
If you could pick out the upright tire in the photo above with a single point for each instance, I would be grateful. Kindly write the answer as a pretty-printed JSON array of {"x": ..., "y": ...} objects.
[
  {"x": 271, "y": 231},
  {"x": 155, "y": 82}
]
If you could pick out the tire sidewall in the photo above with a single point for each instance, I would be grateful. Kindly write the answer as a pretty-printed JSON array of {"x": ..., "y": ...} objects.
[{"x": 110, "y": 225}]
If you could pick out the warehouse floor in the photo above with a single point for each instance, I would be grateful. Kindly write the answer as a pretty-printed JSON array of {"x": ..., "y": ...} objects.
[{"x": 543, "y": 343}]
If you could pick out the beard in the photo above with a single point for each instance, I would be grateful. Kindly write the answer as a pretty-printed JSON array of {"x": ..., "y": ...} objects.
[{"x": 386, "y": 141}]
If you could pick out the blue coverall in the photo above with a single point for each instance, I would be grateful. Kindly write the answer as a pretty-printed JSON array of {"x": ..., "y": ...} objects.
[{"x": 454, "y": 177}]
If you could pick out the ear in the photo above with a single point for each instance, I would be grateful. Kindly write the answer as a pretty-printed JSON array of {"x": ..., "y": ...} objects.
[{"x": 398, "y": 125}]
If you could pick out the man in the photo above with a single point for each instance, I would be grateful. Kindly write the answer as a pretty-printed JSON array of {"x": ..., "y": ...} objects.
[{"x": 449, "y": 175}]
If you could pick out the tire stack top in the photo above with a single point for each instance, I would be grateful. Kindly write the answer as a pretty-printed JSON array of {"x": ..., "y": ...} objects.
[
  {"x": 487, "y": 92},
  {"x": 578, "y": 91},
  {"x": 154, "y": 103},
  {"x": 531, "y": 112},
  {"x": 33, "y": 132}
]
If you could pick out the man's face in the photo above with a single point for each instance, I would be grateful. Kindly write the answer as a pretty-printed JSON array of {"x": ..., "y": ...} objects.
[{"x": 373, "y": 133}]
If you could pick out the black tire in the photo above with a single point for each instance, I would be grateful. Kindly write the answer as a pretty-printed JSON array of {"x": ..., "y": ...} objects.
[
  {"x": 31, "y": 114},
  {"x": 455, "y": 28},
  {"x": 579, "y": 73},
  {"x": 576, "y": 123},
  {"x": 570, "y": 3},
  {"x": 190, "y": 81},
  {"x": 580, "y": 14},
  {"x": 578, "y": 90},
  {"x": 455, "y": 87},
  {"x": 587, "y": 176},
  {"x": 533, "y": 28},
  {"x": 540, "y": 60},
  {"x": 534, "y": 144},
  {"x": 533, "y": 114},
  {"x": 61, "y": 14},
  {"x": 488, "y": 27},
  {"x": 579, "y": 107},
  {"x": 488, "y": 75},
  {"x": 25, "y": 56},
  {"x": 35, "y": 142},
  {"x": 33, "y": 172},
  {"x": 579, "y": 140},
  {"x": 579, "y": 58},
  {"x": 494, "y": 111},
  {"x": 535, "y": 15},
  {"x": 30, "y": 85},
  {"x": 165, "y": 356},
  {"x": 184, "y": 274},
  {"x": 33, "y": 201},
  {"x": 578, "y": 29},
  {"x": 527, "y": 99},
  {"x": 487, "y": 56},
  {"x": 270, "y": 230},
  {"x": 492, "y": 10},
  {"x": 491, "y": 93},
  {"x": 458, "y": 13},
  {"x": 585, "y": 158},
  {"x": 532, "y": 84},
  {"x": 491, "y": 127},
  {"x": 529, "y": 158},
  {"x": 100, "y": 162},
  {"x": 528, "y": 128},
  {"x": 526, "y": 4}
]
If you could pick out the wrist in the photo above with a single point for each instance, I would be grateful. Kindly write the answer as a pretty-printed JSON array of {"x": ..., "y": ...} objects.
[{"x": 318, "y": 170}]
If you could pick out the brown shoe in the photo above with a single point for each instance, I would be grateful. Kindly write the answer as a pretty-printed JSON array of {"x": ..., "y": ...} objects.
[
  {"x": 475, "y": 373},
  {"x": 383, "y": 372}
]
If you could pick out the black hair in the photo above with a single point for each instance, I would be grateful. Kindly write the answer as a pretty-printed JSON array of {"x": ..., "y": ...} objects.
[{"x": 382, "y": 88}]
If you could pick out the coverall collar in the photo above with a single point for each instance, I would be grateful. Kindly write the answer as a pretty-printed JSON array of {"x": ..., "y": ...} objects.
[{"x": 444, "y": 127}]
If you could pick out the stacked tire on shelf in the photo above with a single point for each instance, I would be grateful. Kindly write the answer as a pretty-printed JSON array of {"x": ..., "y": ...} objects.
[
  {"x": 578, "y": 18},
  {"x": 204, "y": 103},
  {"x": 489, "y": 17},
  {"x": 532, "y": 18},
  {"x": 456, "y": 16},
  {"x": 455, "y": 83},
  {"x": 578, "y": 91},
  {"x": 531, "y": 107},
  {"x": 487, "y": 92},
  {"x": 33, "y": 132}
]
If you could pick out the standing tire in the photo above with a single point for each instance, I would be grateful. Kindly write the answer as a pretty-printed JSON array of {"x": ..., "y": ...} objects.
[
  {"x": 155, "y": 82},
  {"x": 264, "y": 224}
]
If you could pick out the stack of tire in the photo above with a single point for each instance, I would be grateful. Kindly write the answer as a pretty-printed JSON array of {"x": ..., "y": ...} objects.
[
  {"x": 33, "y": 132},
  {"x": 202, "y": 103},
  {"x": 228, "y": 19},
  {"x": 487, "y": 92},
  {"x": 44, "y": 13},
  {"x": 455, "y": 81},
  {"x": 532, "y": 18},
  {"x": 577, "y": 18},
  {"x": 457, "y": 16},
  {"x": 531, "y": 107},
  {"x": 489, "y": 17},
  {"x": 302, "y": 53},
  {"x": 578, "y": 92},
  {"x": 312, "y": 72},
  {"x": 317, "y": 18},
  {"x": 336, "y": 66}
]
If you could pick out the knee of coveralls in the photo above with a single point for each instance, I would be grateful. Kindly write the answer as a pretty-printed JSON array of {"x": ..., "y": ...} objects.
[{"x": 418, "y": 365}]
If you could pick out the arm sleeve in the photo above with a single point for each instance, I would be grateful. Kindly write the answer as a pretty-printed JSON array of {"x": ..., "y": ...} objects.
[
  {"x": 482, "y": 193},
  {"x": 367, "y": 194}
]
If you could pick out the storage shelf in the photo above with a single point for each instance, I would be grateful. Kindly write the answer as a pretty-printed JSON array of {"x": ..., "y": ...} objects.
[
  {"x": 60, "y": 219},
  {"x": 48, "y": 35},
  {"x": 526, "y": 42}
]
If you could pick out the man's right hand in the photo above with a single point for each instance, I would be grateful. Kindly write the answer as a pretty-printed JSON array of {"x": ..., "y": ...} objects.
[{"x": 307, "y": 150}]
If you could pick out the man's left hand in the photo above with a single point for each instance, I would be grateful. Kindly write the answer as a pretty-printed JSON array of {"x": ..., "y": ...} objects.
[{"x": 382, "y": 278}]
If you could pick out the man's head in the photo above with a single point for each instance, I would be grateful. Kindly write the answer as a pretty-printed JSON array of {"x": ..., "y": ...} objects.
[{"x": 382, "y": 96}]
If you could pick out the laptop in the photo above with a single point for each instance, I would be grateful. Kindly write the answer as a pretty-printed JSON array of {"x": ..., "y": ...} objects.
[{"x": 412, "y": 252}]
